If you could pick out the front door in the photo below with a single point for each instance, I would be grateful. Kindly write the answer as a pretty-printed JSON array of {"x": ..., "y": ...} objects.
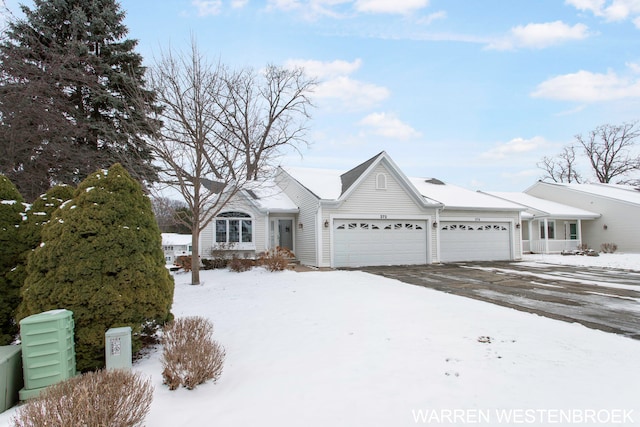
[{"x": 285, "y": 233}]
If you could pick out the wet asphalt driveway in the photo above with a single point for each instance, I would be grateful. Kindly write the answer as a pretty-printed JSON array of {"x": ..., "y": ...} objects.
[{"x": 605, "y": 299}]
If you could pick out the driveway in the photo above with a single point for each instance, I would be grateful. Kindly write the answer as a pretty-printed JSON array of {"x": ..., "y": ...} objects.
[{"x": 605, "y": 299}]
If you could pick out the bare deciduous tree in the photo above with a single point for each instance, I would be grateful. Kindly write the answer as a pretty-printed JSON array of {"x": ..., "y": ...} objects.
[
  {"x": 609, "y": 150},
  {"x": 561, "y": 168},
  {"x": 264, "y": 113},
  {"x": 222, "y": 129}
]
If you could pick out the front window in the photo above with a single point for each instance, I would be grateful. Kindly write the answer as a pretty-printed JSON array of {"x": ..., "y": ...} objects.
[
  {"x": 551, "y": 226},
  {"x": 234, "y": 227}
]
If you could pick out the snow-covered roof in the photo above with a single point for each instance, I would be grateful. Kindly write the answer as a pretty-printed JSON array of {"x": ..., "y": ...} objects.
[
  {"x": 176, "y": 239},
  {"x": 538, "y": 207},
  {"x": 625, "y": 193},
  {"x": 453, "y": 196},
  {"x": 269, "y": 197},
  {"x": 324, "y": 183}
]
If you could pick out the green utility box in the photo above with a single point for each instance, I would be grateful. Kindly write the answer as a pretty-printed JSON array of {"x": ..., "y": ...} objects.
[
  {"x": 10, "y": 375},
  {"x": 48, "y": 350}
]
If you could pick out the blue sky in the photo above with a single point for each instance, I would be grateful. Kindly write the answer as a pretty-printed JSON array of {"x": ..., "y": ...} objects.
[{"x": 474, "y": 93}]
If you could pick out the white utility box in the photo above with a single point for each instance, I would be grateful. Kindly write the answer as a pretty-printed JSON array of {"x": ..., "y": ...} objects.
[{"x": 117, "y": 348}]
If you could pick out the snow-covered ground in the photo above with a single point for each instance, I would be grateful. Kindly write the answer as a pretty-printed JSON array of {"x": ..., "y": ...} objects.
[
  {"x": 351, "y": 349},
  {"x": 616, "y": 260}
]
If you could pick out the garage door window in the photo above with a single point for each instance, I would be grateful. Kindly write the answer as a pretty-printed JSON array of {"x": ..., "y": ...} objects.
[{"x": 466, "y": 227}]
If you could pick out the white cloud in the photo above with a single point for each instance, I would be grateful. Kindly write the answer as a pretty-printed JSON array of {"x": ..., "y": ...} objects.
[
  {"x": 585, "y": 86},
  {"x": 336, "y": 83},
  {"x": 614, "y": 10},
  {"x": 514, "y": 147},
  {"x": 325, "y": 70},
  {"x": 539, "y": 36},
  {"x": 427, "y": 20},
  {"x": 400, "y": 7},
  {"x": 207, "y": 7},
  {"x": 389, "y": 126},
  {"x": 239, "y": 4}
]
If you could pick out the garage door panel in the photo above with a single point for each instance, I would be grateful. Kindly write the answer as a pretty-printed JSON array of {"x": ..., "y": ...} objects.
[
  {"x": 475, "y": 241},
  {"x": 378, "y": 242}
]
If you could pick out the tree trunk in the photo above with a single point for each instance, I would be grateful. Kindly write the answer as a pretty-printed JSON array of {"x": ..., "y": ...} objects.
[{"x": 195, "y": 254}]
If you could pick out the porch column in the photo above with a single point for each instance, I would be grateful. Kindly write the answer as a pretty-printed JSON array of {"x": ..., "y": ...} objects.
[
  {"x": 579, "y": 227},
  {"x": 530, "y": 228},
  {"x": 546, "y": 236}
]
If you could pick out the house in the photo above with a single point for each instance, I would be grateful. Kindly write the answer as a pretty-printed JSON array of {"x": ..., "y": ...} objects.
[
  {"x": 548, "y": 227},
  {"x": 618, "y": 206},
  {"x": 175, "y": 245},
  {"x": 370, "y": 215}
]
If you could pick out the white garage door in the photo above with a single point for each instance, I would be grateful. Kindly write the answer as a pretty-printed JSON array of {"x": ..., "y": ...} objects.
[
  {"x": 358, "y": 243},
  {"x": 475, "y": 241}
]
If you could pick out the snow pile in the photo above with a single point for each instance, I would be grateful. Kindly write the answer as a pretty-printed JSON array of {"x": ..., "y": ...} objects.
[
  {"x": 617, "y": 260},
  {"x": 352, "y": 349}
]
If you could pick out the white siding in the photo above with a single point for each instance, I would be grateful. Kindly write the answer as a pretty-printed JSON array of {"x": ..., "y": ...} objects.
[
  {"x": 305, "y": 237},
  {"x": 207, "y": 236},
  {"x": 368, "y": 202},
  {"x": 620, "y": 218}
]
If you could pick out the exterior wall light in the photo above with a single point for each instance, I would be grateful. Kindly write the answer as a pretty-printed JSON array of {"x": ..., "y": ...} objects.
[
  {"x": 326, "y": 223},
  {"x": 434, "y": 225}
]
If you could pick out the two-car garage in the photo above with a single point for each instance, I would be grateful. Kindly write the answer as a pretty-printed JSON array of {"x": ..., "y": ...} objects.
[
  {"x": 475, "y": 241},
  {"x": 367, "y": 242}
]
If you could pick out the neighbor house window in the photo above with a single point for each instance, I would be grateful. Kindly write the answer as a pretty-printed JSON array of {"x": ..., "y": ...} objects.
[
  {"x": 551, "y": 227},
  {"x": 234, "y": 227}
]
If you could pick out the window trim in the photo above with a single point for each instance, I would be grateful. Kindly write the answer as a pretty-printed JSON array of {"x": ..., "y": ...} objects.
[
  {"x": 381, "y": 181},
  {"x": 241, "y": 219}
]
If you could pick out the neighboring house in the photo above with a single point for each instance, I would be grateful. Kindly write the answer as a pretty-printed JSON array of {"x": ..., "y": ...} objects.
[
  {"x": 175, "y": 245},
  {"x": 370, "y": 215},
  {"x": 549, "y": 227},
  {"x": 618, "y": 206}
]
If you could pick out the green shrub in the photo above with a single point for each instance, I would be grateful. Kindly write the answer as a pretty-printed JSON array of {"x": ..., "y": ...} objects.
[
  {"x": 190, "y": 356},
  {"x": 104, "y": 398},
  {"x": 12, "y": 247},
  {"x": 101, "y": 257}
]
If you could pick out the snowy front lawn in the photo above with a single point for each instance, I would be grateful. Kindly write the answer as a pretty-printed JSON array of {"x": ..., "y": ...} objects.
[{"x": 352, "y": 349}]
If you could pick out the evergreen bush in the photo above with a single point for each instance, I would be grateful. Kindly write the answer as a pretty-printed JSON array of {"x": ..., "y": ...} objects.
[
  {"x": 101, "y": 257},
  {"x": 11, "y": 247}
]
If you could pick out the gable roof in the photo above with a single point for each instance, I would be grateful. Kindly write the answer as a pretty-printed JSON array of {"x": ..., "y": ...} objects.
[
  {"x": 349, "y": 178},
  {"x": 540, "y": 208},
  {"x": 456, "y": 197},
  {"x": 332, "y": 185},
  {"x": 266, "y": 196},
  {"x": 622, "y": 193}
]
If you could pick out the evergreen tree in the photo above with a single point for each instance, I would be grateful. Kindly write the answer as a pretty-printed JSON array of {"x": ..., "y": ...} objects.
[
  {"x": 29, "y": 234},
  {"x": 101, "y": 257},
  {"x": 72, "y": 97},
  {"x": 11, "y": 247}
]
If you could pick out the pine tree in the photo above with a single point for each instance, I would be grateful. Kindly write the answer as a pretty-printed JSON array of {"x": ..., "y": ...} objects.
[
  {"x": 72, "y": 97},
  {"x": 101, "y": 257},
  {"x": 11, "y": 247}
]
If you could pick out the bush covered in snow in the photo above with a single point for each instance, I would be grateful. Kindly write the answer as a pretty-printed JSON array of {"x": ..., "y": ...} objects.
[
  {"x": 101, "y": 257},
  {"x": 11, "y": 249},
  {"x": 104, "y": 398},
  {"x": 190, "y": 355}
]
